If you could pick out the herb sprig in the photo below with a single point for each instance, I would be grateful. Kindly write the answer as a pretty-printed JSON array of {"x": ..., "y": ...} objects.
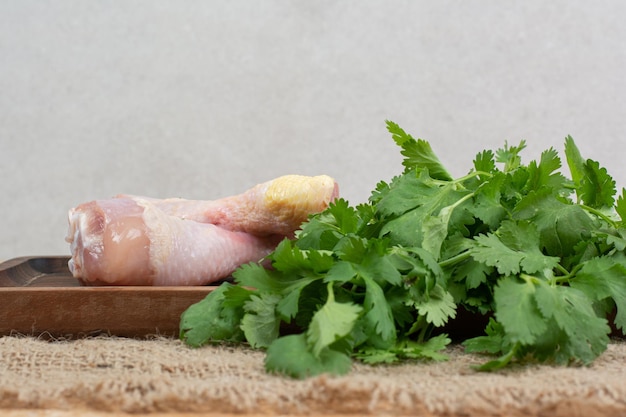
[{"x": 541, "y": 254}]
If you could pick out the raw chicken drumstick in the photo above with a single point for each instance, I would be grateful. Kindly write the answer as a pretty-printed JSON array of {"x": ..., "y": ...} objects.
[
  {"x": 141, "y": 241},
  {"x": 279, "y": 206}
]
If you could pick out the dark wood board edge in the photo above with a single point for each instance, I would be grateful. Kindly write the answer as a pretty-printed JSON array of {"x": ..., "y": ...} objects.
[
  {"x": 10, "y": 263},
  {"x": 29, "y": 270},
  {"x": 56, "y": 305},
  {"x": 83, "y": 311}
]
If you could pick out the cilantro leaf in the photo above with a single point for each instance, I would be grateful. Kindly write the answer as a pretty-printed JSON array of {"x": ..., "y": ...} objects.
[
  {"x": 437, "y": 306},
  {"x": 513, "y": 248},
  {"x": 605, "y": 277},
  {"x": 587, "y": 334},
  {"x": 406, "y": 349},
  {"x": 324, "y": 230},
  {"x": 597, "y": 188},
  {"x": 379, "y": 316},
  {"x": 474, "y": 273},
  {"x": 594, "y": 186},
  {"x": 542, "y": 174},
  {"x": 331, "y": 322},
  {"x": 620, "y": 206},
  {"x": 374, "y": 355},
  {"x": 254, "y": 275},
  {"x": 209, "y": 320},
  {"x": 575, "y": 161},
  {"x": 374, "y": 281},
  {"x": 484, "y": 161},
  {"x": 561, "y": 225},
  {"x": 509, "y": 156},
  {"x": 418, "y": 153},
  {"x": 492, "y": 342},
  {"x": 416, "y": 223},
  {"x": 435, "y": 228},
  {"x": 290, "y": 355},
  {"x": 406, "y": 193},
  {"x": 288, "y": 306},
  {"x": 487, "y": 201},
  {"x": 288, "y": 258},
  {"x": 517, "y": 310},
  {"x": 260, "y": 323}
]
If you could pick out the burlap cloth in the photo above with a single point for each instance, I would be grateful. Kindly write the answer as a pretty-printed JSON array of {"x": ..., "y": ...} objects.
[{"x": 108, "y": 374}]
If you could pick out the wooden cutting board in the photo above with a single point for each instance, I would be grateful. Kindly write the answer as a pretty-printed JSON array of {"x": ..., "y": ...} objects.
[{"x": 39, "y": 296}]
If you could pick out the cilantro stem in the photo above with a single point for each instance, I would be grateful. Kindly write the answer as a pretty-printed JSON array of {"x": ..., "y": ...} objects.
[
  {"x": 472, "y": 175},
  {"x": 455, "y": 259},
  {"x": 529, "y": 278},
  {"x": 464, "y": 178},
  {"x": 422, "y": 326},
  {"x": 603, "y": 216},
  {"x": 560, "y": 280},
  {"x": 462, "y": 200},
  {"x": 562, "y": 270},
  {"x": 502, "y": 361},
  {"x": 569, "y": 275}
]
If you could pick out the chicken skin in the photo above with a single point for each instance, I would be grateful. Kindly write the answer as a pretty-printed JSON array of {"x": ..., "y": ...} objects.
[{"x": 131, "y": 240}]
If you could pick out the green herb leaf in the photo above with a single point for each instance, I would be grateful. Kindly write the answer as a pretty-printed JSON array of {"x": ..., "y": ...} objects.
[
  {"x": 561, "y": 225},
  {"x": 260, "y": 323},
  {"x": 575, "y": 161},
  {"x": 430, "y": 349},
  {"x": 331, "y": 322},
  {"x": 209, "y": 320},
  {"x": 514, "y": 248},
  {"x": 437, "y": 306},
  {"x": 379, "y": 315},
  {"x": 290, "y": 355},
  {"x": 587, "y": 334},
  {"x": 597, "y": 187},
  {"x": 374, "y": 282},
  {"x": 602, "y": 278},
  {"x": 418, "y": 153},
  {"x": 485, "y": 162},
  {"x": 543, "y": 174},
  {"x": 492, "y": 342},
  {"x": 517, "y": 310},
  {"x": 510, "y": 156},
  {"x": 620, "y": 206}
]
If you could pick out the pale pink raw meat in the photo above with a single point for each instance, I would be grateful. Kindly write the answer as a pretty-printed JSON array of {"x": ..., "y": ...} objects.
[
  {"x": 278, "y": 206},
  {"x": 141, "y": 241}
]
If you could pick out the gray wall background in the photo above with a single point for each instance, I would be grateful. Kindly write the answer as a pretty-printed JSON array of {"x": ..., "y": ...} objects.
[{"x": 202, "y": 99}]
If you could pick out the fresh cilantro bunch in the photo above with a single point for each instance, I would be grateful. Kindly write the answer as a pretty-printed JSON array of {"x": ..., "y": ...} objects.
[{"x": 540, "y": 254}]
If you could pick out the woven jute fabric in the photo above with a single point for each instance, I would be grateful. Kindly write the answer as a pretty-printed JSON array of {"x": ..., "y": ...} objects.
[{"x": 163, "y": 375}]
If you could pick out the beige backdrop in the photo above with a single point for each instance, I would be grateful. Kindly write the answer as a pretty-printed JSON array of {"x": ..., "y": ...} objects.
[{"x": 202, "y": 99}]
